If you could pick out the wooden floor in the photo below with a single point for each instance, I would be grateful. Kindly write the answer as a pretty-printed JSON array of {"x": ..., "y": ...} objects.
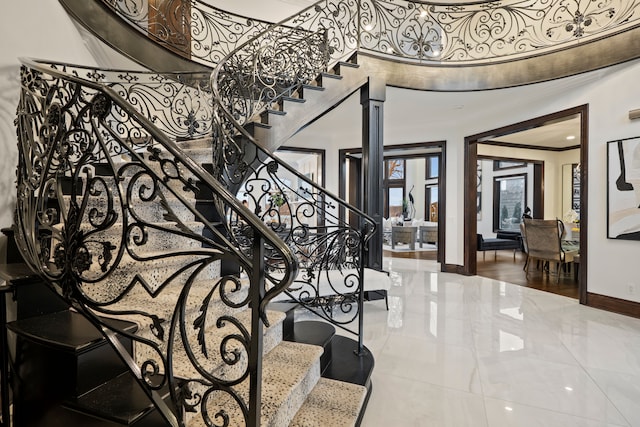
[{"x": 504, "y": 267}]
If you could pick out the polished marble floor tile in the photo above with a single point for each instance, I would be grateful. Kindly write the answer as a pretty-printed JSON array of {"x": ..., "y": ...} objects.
[
  {"x": 470, "y": 351},
  {"x": 403, "y": 402}
]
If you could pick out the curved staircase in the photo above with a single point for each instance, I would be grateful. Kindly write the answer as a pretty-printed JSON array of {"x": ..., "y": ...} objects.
[
  {"x": 142, "y": 240},
  {"x": 151, "y": 296}
]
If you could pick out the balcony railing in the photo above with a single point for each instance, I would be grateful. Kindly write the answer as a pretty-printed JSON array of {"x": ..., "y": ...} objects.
[{"x": 428, "y": 33}]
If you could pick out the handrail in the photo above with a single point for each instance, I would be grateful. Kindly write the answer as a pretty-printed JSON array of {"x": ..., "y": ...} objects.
[
  {"x": 81, "y": 220},
  {"x": 178, "y": 103},
  {"x": 420, "y": 32}
]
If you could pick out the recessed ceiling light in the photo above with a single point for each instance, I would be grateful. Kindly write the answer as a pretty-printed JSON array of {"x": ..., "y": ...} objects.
[
  {"x": 423, "y": 13},
  {"x": 368, "y": 27},
  {"x": 571, "y": 137}
]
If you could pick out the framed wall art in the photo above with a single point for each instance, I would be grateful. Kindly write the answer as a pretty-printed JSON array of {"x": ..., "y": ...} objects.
[{"x": 623, "y": 189}]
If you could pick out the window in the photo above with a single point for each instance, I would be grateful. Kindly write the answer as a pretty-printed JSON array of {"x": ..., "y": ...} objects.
[
  {"x": 432, "y": 167},
  {"x": 431, "y": 202},
  {"x": 394, "y": 186},
  {"x": 505, "y": 164},
  {"x": 510, "y": 197},
  {"x": 395, "y": 197},
  {"x": 394, "y": 169}
]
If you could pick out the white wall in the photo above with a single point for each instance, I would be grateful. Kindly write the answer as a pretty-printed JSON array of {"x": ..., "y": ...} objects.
[{"x": 37, "y": 29}]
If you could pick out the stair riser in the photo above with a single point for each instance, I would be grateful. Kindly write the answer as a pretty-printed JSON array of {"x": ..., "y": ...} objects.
[
  {"x": 150, "y": 212},
  {"x": 280, "y": 405},
  {"x": 182, "y": 368},
  {"x": 296, "y": 398},
  {"x": 150, "y": 239},
  {"x": 163, "y": 305},
  {"x": 153, "y": 272}
]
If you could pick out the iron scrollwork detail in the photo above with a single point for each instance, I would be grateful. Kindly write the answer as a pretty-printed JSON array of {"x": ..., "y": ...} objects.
[
  {"x": 107, "y": 214},
  {"x": 312, "y": 222},
  {"x": 486, "y": 31},
  {"x": 471, "y": 32}
]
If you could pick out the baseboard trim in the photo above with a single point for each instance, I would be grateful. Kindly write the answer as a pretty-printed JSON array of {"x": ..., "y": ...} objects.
[
  {"x": 453, "y": 268},
  {"x": 613, "y": 304}
]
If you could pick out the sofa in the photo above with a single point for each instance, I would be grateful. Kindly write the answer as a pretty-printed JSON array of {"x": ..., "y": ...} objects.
[{"x": 502, "y": 241}]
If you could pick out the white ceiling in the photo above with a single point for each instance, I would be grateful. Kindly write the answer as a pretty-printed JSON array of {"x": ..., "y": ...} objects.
[{"x": 565, "y": 133}]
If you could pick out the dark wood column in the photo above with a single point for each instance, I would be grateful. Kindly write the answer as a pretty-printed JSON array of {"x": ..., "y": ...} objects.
[{"x": 372, "y": 97}]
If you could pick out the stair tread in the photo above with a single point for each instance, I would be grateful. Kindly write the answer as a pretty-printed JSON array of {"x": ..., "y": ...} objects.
[
  {"x": 182, "y": 367},
  {"x": 348, "y": 64},
  {"x": 286, "y": 376},
  {"x": 66, "y": 329},
  {"x": 295, "y": 100},
  {"x": 331, "y": 403},
  {"x": 121, "y": 399},
  {"x": 205, "y": 141},
  {"x": 332, "y": 76},
  {"x": 276, "y": 112},
  {"x": 257, "y": 125},
  {"x": 313, "y": 87},
  {"x": 346, "y": 365}
]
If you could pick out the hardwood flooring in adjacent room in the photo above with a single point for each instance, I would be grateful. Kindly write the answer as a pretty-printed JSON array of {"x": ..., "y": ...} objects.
[
  {"x": 428, "y": 255},
  {"x": 506, "y": 269}
]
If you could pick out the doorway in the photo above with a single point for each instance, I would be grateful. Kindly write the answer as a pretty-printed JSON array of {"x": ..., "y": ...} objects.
[
  {"x": 425, "y": 191},
  {"x": 515, "y": 137}
]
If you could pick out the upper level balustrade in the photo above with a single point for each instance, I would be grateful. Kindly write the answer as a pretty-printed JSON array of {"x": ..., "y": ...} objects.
[{"x": 422, "y": 32}]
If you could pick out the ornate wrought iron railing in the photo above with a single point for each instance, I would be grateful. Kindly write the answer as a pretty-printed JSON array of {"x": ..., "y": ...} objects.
[
  {"x": 193, "y": 29},
  {"x": 328, "y": 236},
  {"x": 480, "y": 32},
  {"x": 178, "y": 104},
  {"x": 108, "y": 214},
  {"x": 426, "y": 32}
]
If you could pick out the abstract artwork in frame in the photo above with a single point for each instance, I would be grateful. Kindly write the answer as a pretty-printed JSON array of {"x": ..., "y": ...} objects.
[{"x": 623, "y": 189}]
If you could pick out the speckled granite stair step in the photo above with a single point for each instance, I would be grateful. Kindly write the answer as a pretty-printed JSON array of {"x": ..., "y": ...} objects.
[
  {"x": 149, "y": 211},
  {"x": 201, "y": 155},
  {"x": 290, "y": 371},
  {"x": 206, "y": 141},
  {"x": 155, "y": 237},
  {"x": 151, "y": 272},
  {"x": 140, "y": 181},
  {"x": 214, "y": 336},
  {"x": 331, "y": 403},
  {"x": 163, "y": 304}
]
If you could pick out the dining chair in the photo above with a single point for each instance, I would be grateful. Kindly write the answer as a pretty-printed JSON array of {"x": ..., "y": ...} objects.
[
  {"x": 525, "y": 247},
  {"x": 544, "y": 243}
]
